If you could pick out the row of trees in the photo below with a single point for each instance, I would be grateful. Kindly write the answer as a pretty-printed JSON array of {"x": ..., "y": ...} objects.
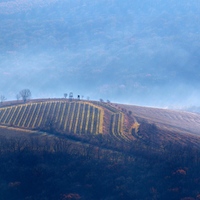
[
  {"x": 71, "y": 96},
  {"x": 24, "y": 94}
]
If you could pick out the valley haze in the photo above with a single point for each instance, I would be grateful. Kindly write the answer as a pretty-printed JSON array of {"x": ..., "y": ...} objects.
[
  {"x": 99, "y": 145},
  {"x": 135, "y": 52}
]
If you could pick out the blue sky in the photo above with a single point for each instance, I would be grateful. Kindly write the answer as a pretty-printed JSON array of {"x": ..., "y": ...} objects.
[{"x": 137, "y": 52}]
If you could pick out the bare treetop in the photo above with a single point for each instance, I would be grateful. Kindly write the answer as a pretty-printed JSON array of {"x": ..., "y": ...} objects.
[
  {"x": 18, "y": 96},
  {"x": 2, "y": 98},
  {"x": 65, "y": 95},
  {"x": 25, "y": 94}
]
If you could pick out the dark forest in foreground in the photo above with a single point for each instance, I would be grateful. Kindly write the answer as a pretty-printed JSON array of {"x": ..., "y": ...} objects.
[
  {"x": 71, "y": 150},
  {"x": 41, "y": 167}
]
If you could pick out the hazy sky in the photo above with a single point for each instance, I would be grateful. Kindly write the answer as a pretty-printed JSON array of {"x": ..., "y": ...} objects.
[{"x": 137, "y": 52}]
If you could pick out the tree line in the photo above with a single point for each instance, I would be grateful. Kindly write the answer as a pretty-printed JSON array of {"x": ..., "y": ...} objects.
[{"x": 24, "y": 94}]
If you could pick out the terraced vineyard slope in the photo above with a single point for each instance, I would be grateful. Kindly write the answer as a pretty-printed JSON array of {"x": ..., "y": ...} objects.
[{"x": 68, "y": 117}]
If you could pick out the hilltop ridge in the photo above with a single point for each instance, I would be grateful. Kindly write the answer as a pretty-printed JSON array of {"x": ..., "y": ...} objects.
[{"x": 85, "y": 119}]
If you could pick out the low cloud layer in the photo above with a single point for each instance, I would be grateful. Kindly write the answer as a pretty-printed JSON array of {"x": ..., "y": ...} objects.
[
  {"x": 130, "y": 52},
  {"x": 11, "y": 7}
]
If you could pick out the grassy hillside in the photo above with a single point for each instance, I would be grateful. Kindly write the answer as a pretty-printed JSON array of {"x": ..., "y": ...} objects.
[
  {"x": 175, "y": 120},
  {"x": 95, "y": 150},
  {"x": 122, "y": 123},
  {"x": 68, "y": 117},
  {"x": 90, "y": 119}
]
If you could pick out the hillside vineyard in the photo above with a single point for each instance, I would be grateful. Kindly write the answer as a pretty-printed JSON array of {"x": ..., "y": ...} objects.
[{"x": 76, "y": 117}]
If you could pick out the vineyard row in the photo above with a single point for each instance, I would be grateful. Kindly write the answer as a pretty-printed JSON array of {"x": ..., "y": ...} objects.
[
  {"x": 73, "y": 117},
  {"x": 116, "y": 126}
]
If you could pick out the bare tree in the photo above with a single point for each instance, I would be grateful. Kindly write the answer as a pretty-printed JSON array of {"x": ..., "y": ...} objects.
[
  {"x": 71, "y": 95},
  {"x": 18, "y": 96},
  {"x": 3, "y": 98},
  {"x": 25, "y": 94},
  {"x": 65, "y": 95}
]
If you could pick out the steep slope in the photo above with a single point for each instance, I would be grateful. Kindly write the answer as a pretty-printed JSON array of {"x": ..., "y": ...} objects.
[
  {"x": 163, "y": 126},
  {"x": 120, "y": 123},
  {"x": 141, "y": 153},
  {"x": 73, "y": 117},
  {"x": 173, "y": 120}
]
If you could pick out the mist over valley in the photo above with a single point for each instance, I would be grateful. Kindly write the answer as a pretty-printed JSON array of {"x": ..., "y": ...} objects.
[{"x": 144, "y": 53}]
